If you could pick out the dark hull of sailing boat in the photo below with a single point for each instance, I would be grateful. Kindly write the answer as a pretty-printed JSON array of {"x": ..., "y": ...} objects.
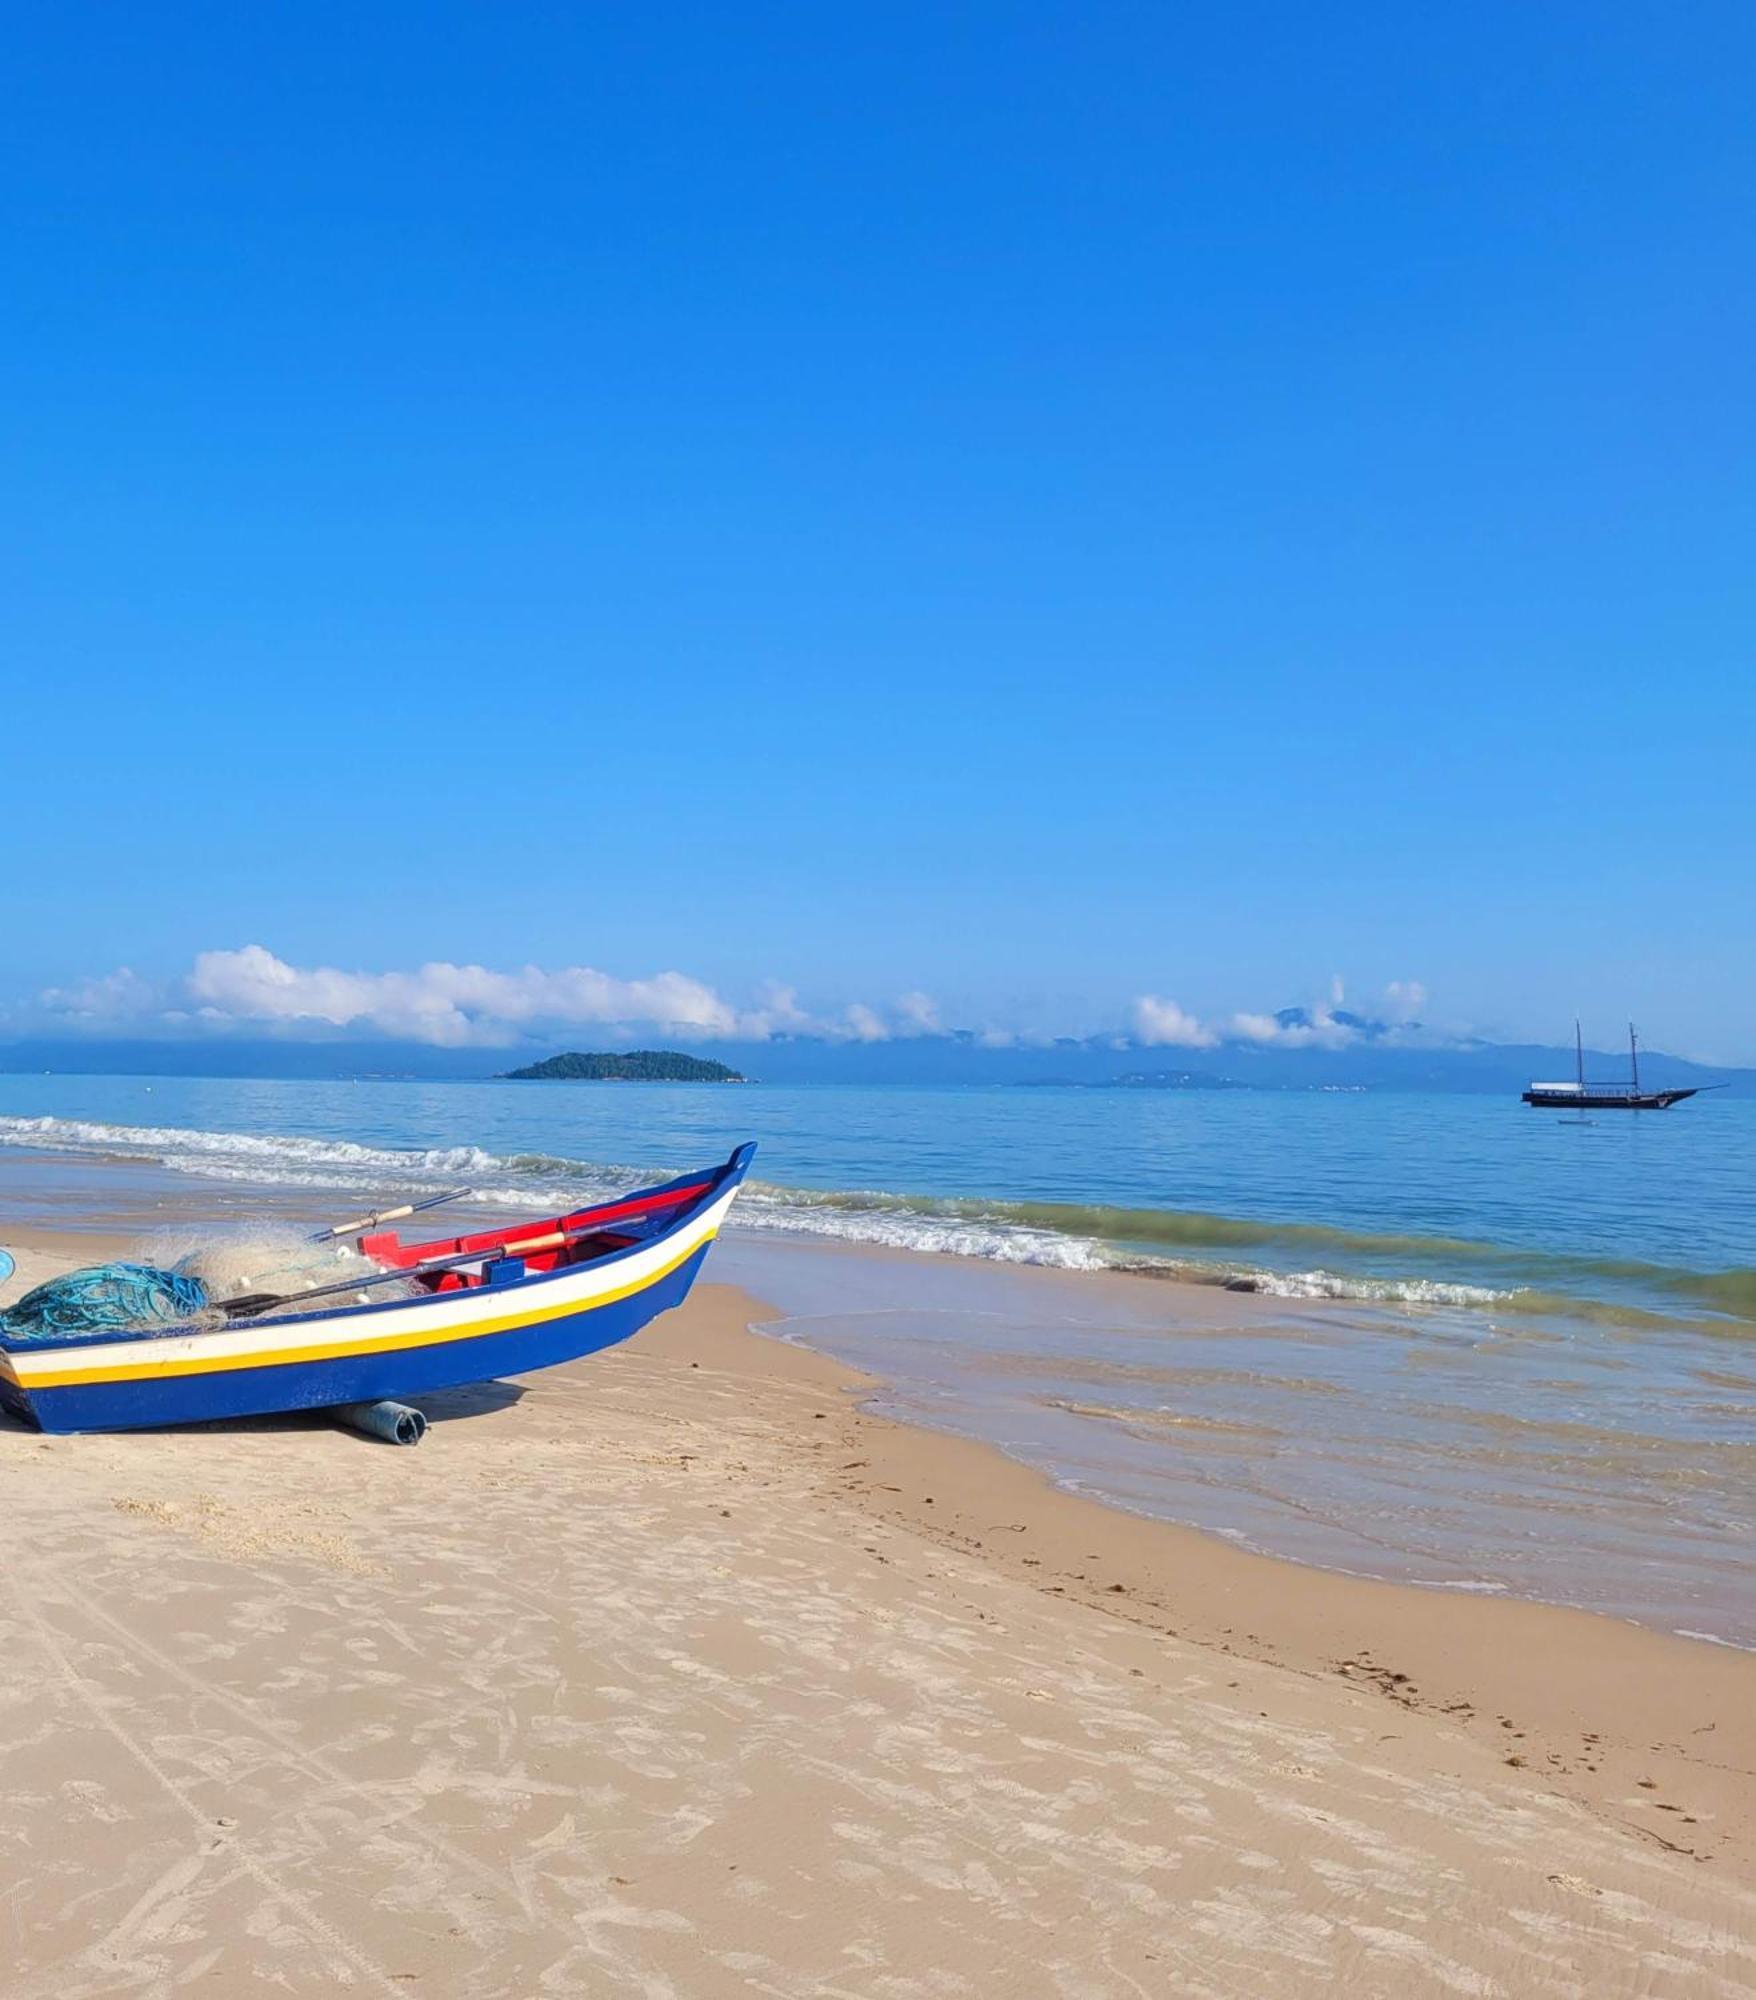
[
  {"x": 1580, "y": 1095},
  {"x": 1606, "y": 1100}
]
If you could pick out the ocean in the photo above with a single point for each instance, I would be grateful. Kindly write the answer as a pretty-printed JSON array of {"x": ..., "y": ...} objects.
[{"x": 1442, "y": 1338}]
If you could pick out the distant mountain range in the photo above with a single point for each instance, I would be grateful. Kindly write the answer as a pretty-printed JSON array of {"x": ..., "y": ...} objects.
[{"x": 1347, "y": 1052}]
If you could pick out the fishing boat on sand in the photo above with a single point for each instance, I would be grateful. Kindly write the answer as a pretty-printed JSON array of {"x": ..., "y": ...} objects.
[{"x": 470, "y": 1309}]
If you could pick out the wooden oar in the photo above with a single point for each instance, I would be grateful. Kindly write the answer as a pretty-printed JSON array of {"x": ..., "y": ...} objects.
[
  {"x": 554, "y": 1239},
  {"x": 361, "y": 1223}
]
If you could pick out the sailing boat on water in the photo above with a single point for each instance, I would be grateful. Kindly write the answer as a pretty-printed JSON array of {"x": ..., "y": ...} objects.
[{"x": 1582, "y": 1096}]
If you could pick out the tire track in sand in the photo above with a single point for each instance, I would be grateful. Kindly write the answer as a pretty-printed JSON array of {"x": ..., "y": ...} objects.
[
  {"x": 342, "y": 1947},
  {"x": 313, "y": 1763}
]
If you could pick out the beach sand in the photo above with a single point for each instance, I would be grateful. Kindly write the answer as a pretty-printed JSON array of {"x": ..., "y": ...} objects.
[{"x": 672, "y": 1673}]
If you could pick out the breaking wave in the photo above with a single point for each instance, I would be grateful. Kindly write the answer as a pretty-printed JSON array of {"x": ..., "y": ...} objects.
[
  {"x": 1293, "y": 1260},
  {"x": 1399, "y": 1291},
  {"x": 222, "y": 1155}
]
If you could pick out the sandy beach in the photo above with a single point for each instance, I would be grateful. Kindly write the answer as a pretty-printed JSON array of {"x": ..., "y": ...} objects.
[
  {"x": 674, "y": 1673},
  {"x": 886, "y": 865}
]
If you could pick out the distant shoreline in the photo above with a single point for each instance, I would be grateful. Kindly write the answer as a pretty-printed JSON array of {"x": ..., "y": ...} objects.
[{"x": 1485, "y": 1070}]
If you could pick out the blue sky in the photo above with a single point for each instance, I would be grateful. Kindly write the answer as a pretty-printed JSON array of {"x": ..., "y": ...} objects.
[{"x": 1031, "y": 506}]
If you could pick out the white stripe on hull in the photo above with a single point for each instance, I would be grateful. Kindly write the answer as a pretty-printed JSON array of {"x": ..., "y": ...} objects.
[{"x": 267, "y": 1340}]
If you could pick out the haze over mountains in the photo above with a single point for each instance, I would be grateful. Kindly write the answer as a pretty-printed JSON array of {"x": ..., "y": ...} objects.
[{"x": 1332, "y": 1051}]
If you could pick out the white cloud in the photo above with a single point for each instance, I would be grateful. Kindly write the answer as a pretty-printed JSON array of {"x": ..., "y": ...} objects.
[
  {"x": 1256, "y": 1028},
  {"x": 116, "y": 996},
  {"x": 1320, "y": 1030},
  {"x": 862, "y": 1025},
  {"x": 250, "y": 989},
  {"x": 1405, "y": 1000},
  {"x": 918, "y": 1014},
  {"x": 777, "y": 1012},
  {"x": 1163, "y": 1024},
  {"x": 442, "y": 1003},
  {"x": 1318, "y": 1027},
  {"x": 913, "y": 1015},
  {"x": 458, "y": 1005}
]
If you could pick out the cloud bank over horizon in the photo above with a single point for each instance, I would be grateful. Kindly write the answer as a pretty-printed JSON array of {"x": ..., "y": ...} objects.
[
  {"x": 449, "y": 1006},
  {"x": 1161, "y": 1023},
  {"x": 250, "y": 990}
]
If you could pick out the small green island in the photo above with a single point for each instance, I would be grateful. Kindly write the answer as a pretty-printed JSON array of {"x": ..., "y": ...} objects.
[{"x": 632, "y": 1066}]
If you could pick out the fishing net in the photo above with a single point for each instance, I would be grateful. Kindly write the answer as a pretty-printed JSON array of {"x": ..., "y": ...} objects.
[
  {"x": 229, "y": 1263},
  {"x": 105, "y": 1300},
  {"x": 189, "y": 1281}
]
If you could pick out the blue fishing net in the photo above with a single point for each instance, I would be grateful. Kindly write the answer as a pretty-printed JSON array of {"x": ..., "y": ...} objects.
[{"x": 102, "y": 1302}]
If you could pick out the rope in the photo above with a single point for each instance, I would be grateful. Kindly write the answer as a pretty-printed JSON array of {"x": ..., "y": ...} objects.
[{"x": 105, "y": 1300}]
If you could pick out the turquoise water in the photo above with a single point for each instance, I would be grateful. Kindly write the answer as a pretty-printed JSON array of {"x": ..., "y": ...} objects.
[
  {"x": 1439, "y": 1199},
  {"x": 1481, "y": 1348}
]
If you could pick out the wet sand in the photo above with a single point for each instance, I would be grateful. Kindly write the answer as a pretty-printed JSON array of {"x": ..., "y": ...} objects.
[{"x": 675, "y": 1674}]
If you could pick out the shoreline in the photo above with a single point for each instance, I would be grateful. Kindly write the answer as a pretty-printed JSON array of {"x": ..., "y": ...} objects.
[
  {"x": 1589, "y": 1707},
  {"x": 1653, "y": 1734},
  {"x": 1233, "y": 1377},
  {"x": 673, "y": 1672}
]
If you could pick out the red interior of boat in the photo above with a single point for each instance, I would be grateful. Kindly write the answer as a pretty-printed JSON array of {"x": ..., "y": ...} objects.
[{"x": 561, "y": 1240}]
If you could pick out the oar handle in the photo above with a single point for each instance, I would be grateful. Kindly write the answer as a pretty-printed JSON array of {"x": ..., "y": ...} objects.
[
  {"x": 361, "y": 1223},
  {"x": 531, "y": 1244}
]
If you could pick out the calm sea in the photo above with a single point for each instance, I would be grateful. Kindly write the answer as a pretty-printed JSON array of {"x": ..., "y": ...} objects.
[{"x": 1488, "y": 1348}]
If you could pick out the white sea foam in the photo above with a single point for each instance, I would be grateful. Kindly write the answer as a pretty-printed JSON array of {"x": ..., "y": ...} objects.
[
  {"x": 910, "y": 1229},
  {"x": 545, "y": 1183},
  {"x": 1714, "y": 1639},
  {"x": 189, "y": 1149},
  {"x": 1469, "y": 1586},
  {"x": 1386, "y": 1291},
  {"x": 528, "y": 1181}
]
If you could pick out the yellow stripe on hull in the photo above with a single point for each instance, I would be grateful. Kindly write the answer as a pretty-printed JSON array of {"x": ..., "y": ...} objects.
[{"x": 30, "y": 1377}]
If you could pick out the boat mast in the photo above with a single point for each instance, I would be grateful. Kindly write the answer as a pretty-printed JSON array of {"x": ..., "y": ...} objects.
[
  {"x": 1634, "y": 1058},
  {"x": 1578, "y": 1052}
]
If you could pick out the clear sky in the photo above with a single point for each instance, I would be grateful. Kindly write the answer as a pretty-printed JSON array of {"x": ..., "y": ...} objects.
[{"x": 1035, "y": 505}]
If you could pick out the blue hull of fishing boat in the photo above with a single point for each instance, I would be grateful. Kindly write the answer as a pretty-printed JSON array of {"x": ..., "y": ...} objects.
[{"x": 363, "y": 1354}]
